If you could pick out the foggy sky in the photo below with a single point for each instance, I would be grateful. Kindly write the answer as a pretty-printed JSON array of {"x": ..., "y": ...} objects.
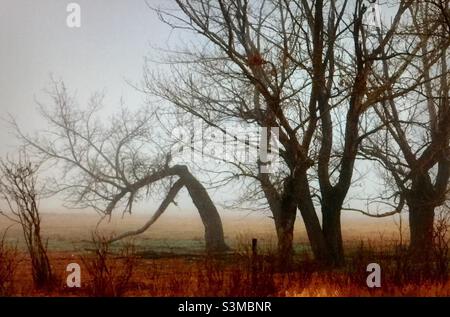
[
  {"x": 107, "y": 50},
  {"x": 103, "y": 54},
  {"x": 109, "y": 47}
]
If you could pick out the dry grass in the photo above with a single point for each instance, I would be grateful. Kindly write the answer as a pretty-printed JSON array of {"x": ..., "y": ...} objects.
[
  {"x": 241, "y": 274},
  {"x": 232, "y": 275},
  {"x": 109, "y": 274},
  {"x": 146, "y": 271},
  {"x": 8, "y": 266}
]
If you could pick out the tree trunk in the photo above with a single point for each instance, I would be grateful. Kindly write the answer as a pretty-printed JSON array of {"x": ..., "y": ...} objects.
[
  {"x": 284, "y": 224},
  {"x": 421, "y": 222},
  {"x": 214, "y": 238},
  {"x": 312, "y": 224},
  {"x": 315, "y": 235},
  {"x": 421, "y": 202},
  {"x": 331, "y": 224}
]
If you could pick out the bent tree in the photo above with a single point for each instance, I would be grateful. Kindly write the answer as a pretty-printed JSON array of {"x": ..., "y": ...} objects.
[
  {"x": 303, "y": 67},
  {"x": 113, "y": 165}
]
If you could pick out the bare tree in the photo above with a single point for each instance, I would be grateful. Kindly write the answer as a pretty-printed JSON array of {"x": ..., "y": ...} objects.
[
  {"x": 106, "y": 167},
  {"x": 19, "y": 191},
  {"x": 302, "y": 67},
  {"x": 413, "y": 148}
]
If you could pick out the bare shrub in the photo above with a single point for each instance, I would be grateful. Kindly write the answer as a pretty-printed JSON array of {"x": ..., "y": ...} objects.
[
  {"x": 398, "y": 264},
  {"x": 243, "y": 273},
  {"x": 441, "y": 244},
  {"x": 109, "y": 273},
  {"x": 19, "y": 190},
  {"x": 8, "y": 265}
]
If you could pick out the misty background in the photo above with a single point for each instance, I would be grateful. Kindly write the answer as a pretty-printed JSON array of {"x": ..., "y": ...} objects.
[{"x": 106, "y": 53}]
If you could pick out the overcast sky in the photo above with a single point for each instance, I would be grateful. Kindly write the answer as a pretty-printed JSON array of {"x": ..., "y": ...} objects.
[{"x": 108, "y": 49}]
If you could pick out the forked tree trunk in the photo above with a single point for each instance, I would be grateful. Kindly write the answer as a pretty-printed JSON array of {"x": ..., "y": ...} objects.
[{"x": 312, "y": 225}]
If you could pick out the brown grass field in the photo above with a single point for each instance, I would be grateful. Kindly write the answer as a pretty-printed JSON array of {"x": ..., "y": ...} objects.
[{"x": 168, "y": 260}]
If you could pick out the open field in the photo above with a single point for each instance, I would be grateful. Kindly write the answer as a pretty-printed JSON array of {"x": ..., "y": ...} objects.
[
  {"x": 168, "y": 260},
  {"x": 196, "y": 276},
  {"x": 72, "y": 231}
]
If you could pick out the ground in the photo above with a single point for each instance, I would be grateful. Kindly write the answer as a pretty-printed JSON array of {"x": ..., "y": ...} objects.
[{"x": 169, "y": 260}]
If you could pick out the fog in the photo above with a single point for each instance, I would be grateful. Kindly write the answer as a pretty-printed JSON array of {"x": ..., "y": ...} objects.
[{"x": 106, "y": 53}]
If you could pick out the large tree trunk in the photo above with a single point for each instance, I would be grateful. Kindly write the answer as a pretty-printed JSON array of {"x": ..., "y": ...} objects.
[
  {"x": 284, "y": 225},
  {"x": 421, "y": 202},
  {"x": 285, "y": 220},
  {"x": 312, "y": 224},
  {"x": 296, "y": 195},
  {"x": 421, "y": 222},
  {"x": 331, "y": 224},
  {"x": 315, "y": 234},
  {"x": 214, "y": 238}
]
